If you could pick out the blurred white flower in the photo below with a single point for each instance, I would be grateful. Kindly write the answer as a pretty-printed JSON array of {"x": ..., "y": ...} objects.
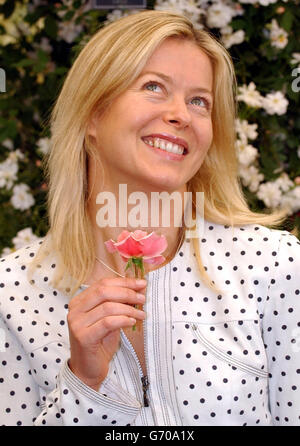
[
  {"x": 250, "y": 95},
  {"x": 294, "y": 61},
  {"x": 261, "y": 2},
  {"x": 68, "y": 31},
  {"x": 245, "y": 130},
  {"x": 36, "y": 117},
  {"x": 115, "y": 15},
  {"x": 275, "y": 103},
  {"x": 22, "y": 198},
  {"x": 278, "y": 36},
  {"x": 291, "y": 201},
  {"x": 189, "y": 8},
  {"x": 298, "y": 152},
  {"x": 67, "y": 3},
  {"x": 229, "y": 38},
  {"x": 6, "y": 251},
  {"x": 251, "y": 177},
  {"x": 284, "y": 182},
  {"x": 15, "y": 156},
  {"x": 219, "y": 15},
  {"x": 266, "y": 2},
  {"x": 8, "y": 173},
  {"x": 23, "y": 238},
  {"x": 8, "y": 144},
  {"x": 43, "y": 145},
  {"x": 44, "y": 44},
  {"x": 246, "y": 153},
  {"x": 270, "y": 194}
]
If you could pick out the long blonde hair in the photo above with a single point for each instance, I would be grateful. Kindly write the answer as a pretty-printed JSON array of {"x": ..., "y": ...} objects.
[{"x": 107, "y": 65}]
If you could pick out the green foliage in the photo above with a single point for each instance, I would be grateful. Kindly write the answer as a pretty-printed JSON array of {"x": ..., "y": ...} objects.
[
  {"x": 38, "y": 43},
  {"x": 270, "y": 68}
]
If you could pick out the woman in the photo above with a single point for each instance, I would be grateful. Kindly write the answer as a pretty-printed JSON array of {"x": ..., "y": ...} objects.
[{"x": 218, "y": 344}]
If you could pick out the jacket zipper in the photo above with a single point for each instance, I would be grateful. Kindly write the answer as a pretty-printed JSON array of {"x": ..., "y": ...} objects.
[
  {"x": 145, "y": 383},
  {"x": 144, "y": 378},
  {"x": 224, "y": 357}
]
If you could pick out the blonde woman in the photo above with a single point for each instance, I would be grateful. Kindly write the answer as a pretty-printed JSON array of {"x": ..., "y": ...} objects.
[{"x": 150, "y": 103}]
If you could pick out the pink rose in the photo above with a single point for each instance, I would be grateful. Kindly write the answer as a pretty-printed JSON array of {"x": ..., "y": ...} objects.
[{"x": 139, "y": 244}]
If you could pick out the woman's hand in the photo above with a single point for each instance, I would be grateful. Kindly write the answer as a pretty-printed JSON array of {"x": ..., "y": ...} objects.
[{"x": 95, "y": 318}]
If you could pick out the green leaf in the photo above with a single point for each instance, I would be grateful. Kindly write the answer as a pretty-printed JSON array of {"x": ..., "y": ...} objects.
[
  {"x": 24, "y": 63},
  {"x": 8, "y": 131},
  {"x": 287, "y": 20},
  {"x": 237, "y": 24},
  {"x": 129, "y": 264},
  {"x": 51, "y": 27},
  {"x": 138, "y": 261},
  {"x": 68, "y": 16}
]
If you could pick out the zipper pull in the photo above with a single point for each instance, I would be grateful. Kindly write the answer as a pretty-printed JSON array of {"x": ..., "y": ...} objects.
[{"x": 145, "y": 383}]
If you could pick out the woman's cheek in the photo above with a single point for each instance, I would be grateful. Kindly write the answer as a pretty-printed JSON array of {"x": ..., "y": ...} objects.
[{"x": 206, "y": 135}]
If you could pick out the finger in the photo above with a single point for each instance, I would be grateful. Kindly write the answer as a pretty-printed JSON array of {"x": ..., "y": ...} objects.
[
  {"x": 109, "y": 324},
  {"x": 111, "y": 309},
  {"x": 128, "y": 282},
  {"x": 114, "y": 295},
  {"x": 96, "y": 295}
]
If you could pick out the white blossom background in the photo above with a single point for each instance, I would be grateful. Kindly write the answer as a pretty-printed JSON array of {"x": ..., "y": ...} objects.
[{"x": 40, "y": 39}]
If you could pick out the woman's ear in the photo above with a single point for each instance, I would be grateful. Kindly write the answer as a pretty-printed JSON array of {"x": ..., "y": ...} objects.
[{"x": 92, "y": 126}]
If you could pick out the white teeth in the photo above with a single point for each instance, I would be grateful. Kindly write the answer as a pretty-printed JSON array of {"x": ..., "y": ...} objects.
[
  {"x": 156, "y": 143},
  {"x": 165, "y": 145},
  {"x": 162, "y": 144}
]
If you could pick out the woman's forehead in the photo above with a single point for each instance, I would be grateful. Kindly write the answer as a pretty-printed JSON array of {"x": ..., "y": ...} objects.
[{"x": 182, "y": 59}]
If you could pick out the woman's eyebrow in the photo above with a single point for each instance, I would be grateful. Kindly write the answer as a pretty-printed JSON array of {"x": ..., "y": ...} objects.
[{"x": 170, "y": 80}]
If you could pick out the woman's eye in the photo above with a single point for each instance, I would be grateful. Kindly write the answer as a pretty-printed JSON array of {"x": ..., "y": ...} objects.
[
  {"x": 156, "y": 87},
  {"x": 152, "y": 86},
  {"x": 204, "y": 101}
]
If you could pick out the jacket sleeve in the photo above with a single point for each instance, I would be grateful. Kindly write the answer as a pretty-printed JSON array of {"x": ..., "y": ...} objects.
[
  {"x": 74, "y": 403},
  {"x": 29, "y": 397},
  {"x": 281, "y": 332}
]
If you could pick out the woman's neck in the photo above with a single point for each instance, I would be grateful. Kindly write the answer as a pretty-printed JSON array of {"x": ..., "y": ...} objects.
[{"x": 118, "y": 211}]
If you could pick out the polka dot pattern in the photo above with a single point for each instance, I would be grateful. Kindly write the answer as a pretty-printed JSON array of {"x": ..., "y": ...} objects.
[
  {"x": 233, "y": 356},
  {"x": 241, "y": 346},
  {"x": 36, "y": 384}
]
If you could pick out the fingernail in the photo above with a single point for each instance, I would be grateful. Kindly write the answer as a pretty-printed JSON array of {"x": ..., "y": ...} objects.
[
  {"x": 140, "y": 282},
  {"x": 140, "y": 297}
]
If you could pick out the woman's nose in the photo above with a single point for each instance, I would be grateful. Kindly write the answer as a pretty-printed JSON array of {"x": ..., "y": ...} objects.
[{"x": 177, "y": 113}]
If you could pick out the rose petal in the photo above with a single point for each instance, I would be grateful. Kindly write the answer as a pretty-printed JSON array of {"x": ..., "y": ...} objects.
[
  {"x": 129, "y": 247},
  {"x": 123, "y": 235},
  {"x": 139, "y": 235},
  {"x": 154, "y": 245},
  {"x": 139, "y": 244}
]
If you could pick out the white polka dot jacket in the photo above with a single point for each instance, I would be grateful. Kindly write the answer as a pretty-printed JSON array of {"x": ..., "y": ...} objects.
[{"x": 231, "y": 358}]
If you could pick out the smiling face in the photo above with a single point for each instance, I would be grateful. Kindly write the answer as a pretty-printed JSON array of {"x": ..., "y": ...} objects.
[{"x": 171, "y": 99}]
